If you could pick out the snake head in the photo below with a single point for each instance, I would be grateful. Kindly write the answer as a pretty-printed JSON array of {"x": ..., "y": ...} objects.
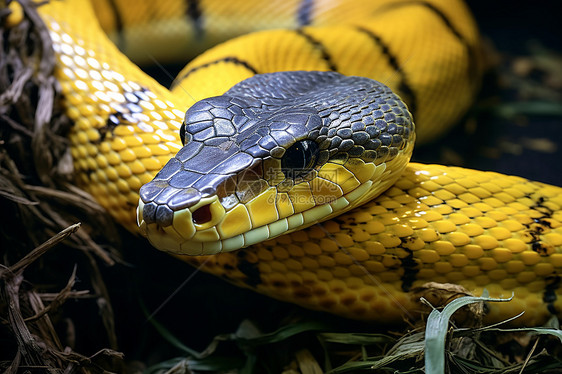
[{"x": 276, "y": 153}]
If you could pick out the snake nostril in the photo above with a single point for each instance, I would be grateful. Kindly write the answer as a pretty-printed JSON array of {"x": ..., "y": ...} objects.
[{"x": 202, "y": 215}]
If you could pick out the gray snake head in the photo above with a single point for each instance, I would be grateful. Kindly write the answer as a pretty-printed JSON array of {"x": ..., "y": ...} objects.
[{"x": 276, "y": 153}]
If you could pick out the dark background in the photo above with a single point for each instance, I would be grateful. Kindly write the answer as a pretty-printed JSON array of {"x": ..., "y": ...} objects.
[{"x": 515, "y": 127}]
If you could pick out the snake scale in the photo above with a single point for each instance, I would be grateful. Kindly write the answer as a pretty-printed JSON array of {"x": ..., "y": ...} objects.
[{"x": 429, "y": 223}]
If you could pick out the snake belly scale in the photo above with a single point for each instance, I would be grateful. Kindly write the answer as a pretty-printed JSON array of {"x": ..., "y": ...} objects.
[{"x": 432, "y": 223}]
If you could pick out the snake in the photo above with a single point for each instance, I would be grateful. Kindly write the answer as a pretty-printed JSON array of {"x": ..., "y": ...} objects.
[{"x": 279, "y": 160}]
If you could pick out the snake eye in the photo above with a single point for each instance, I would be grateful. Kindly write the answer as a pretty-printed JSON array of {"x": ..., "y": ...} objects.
[
  {"x": 182, "y": 133},
  {"x": 300, "y": 158}
]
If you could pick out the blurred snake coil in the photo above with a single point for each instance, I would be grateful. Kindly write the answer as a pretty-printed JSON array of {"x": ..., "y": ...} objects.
[{"x": 429, "y": 223}]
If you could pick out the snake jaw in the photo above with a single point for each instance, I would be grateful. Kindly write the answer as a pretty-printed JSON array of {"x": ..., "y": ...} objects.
[
  {"x": 191, "y": 231},
  {"x": 225, "y": 231}
]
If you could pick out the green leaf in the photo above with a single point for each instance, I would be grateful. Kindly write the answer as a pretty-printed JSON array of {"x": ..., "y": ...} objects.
[
  {"x": 254, "y": 339},
  {"x": 187, "y": 365},
  {"x": 355, "y": 338},
  {"x": 167, "y": 335},
  {"x": 540, "y": 108},
  {"x": 437, "y": 327},
  {"x": 533, "y": 330}
]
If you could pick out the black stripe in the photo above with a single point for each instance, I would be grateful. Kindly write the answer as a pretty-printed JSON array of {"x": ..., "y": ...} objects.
[
  {"x": 472, "y": 63},
  {"x": 304, "y": 14},
  {"x": 549, "y": 295},
  {"x": 472, "y": 60},
  {"x": 249, "y": 268},
  {"x": 411, "y": 268},
  {"x": 404, "y": 87},
  {"x": 232, "y": 59},
  {"x": 196, "y": 16},
  {"x": 317, "y": 45},
  {"x": 119, "y": 25}
]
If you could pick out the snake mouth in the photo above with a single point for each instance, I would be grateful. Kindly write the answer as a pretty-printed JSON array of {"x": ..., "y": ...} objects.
[
  {"x": 190, "y": 230},
  {"x": 207, "y": 229},
  {"x": 185, "y": 236}
]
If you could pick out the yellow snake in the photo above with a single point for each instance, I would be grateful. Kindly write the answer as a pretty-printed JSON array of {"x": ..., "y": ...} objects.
[{"x": 432, "y": 223}]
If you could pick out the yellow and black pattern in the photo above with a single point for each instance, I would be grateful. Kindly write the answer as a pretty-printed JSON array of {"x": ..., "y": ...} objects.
[
  {"x": 436, "y": 223},
  {"x": 380, "y": 47}
]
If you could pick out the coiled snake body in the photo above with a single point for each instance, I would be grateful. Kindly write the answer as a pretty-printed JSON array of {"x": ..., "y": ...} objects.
[{"x": 259, "y": 180}]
